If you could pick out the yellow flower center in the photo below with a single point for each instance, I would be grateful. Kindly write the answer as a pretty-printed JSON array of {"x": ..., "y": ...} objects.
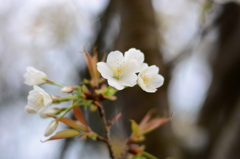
[
  {"x": 147, "y": 79},
  {"x": 118, "y": 69},
  {"x": 39, "y": 100}
]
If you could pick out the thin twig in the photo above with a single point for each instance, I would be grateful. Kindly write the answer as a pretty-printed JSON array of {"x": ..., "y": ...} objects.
[
  {"x": 125, "y": 149},
  {"x": 106, "y": 129}
]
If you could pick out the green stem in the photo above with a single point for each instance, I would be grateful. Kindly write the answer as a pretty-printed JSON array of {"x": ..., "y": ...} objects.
[
  {"x": 67, "y": 110},
  {"x": 64, "y": 99},
  {"x": 53, "y": 83}
]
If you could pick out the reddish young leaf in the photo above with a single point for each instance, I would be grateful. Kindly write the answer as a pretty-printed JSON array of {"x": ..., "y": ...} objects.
[
  {"x": 115, "y": 118},
  {"x": 64, "y": 134},
  {"x": 146, "y": 118},
  {"x": 74, "y": 124},
  {"x": 80, "y": 117},
  {"x": 154, "y": 124},
  {"x": 92, "y": 67}
]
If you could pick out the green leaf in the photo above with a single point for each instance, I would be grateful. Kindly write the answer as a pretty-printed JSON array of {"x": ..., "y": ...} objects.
[
  {"x": 148, "y": 155},
  {"x": 87, "y": 103},
  {"x": 110, "y": 91},
  {"x": 85, "y": 81},
  {"x": 139, "y": 157},
  {"x": 92, "y": 135},
  {"x": 135, "y": 128},
  {"x": 74, "y": 124},
  {"x": 64, "y": 134}
]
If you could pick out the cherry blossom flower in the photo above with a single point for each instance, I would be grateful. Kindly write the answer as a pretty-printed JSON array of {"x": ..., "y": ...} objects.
[
  {"x": 136, "y": 55},
  {"x": 38, "y": 100},
  {"x": 149, "y": 79},
  {"x": 119, "y": 71},
  {"x": 34, "y": 77}
]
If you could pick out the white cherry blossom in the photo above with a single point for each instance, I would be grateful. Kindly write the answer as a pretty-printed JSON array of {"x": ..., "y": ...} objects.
[
  {"x": 38, "y": 100},
  {"x": 34, "y": 76},
  {"x": 136, "y": 55},
  {"x": 119, "y": 71},
  {"x": 149, "y": 79}
]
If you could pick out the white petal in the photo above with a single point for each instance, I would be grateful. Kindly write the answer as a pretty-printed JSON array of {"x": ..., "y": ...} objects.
[
  {"x": 141, "y": 84},
  {"x": 132, "y": 67},
  {"x": 104, "y": 69},
  {"x": 30, "y": 110},
  {"x": 37, "y": 88},
  {"x": 129, "y": 79},
  {"x": 115, "y": 83},
  {"x": 46, "y": 96},
  {"x": 143, "y": 66},
  {"x": 134, "y": 54},
  {"x": 34, "y": 76},
  {"x": 151, "y": 89},
  {"x": 113, "y": 56},
  {"x": 47, "y": 99},
  {"x": 158, "y": 81},
  {"x": 152, "y": 70}
]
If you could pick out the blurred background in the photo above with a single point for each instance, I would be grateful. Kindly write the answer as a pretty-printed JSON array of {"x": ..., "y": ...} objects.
[{"x": 196, "y": 44}]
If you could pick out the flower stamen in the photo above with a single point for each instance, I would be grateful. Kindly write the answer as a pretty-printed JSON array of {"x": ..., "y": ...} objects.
[
  {"x": 147, "y": 79},
  {"x": 39, "y": 100}
]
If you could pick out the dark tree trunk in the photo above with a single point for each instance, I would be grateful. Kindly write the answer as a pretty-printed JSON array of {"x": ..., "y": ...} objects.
[
  {"x": 138, "y": 29},
  {"x": 221, "y": 109}
]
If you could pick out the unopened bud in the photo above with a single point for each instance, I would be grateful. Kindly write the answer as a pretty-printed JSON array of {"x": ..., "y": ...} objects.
[
  {"x": 93, "y": 108},
  {"x": 51, "y": 128},
  {"x": 50, "y": 112},
  {"x": 85, "y": 89},
  {"x": 68, "y": 89},
  {"x": 54, "y": 98}
]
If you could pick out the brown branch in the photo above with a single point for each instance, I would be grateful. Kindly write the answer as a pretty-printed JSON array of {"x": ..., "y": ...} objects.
[{"x": 106, "y": 129}]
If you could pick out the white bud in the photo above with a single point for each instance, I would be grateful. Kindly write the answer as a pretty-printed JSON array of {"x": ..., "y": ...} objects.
[
  {"x": 51, "y": 128},
  {"x": 68, "y": 89},
  {"x": 49, "y": 112}
]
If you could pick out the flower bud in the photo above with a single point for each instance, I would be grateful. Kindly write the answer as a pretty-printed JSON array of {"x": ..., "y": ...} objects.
[
  {"x": 50, "y": 112},
  {"x": 54, "y": 98},
  {"x": 68, "y": 89},
  {"x": 51, "y": 128},
  {"x": 93, "y": 108}
]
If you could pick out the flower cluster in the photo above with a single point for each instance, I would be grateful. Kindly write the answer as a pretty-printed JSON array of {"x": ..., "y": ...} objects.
[
  {"x": 38, "y": 99},
  {"x": 121, "y": 71}
]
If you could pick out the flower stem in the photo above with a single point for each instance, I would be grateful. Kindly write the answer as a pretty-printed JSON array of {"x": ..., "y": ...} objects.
[
  {"x": 54, "y": 83},
  {"x": 106, "y": 129},
  {"x": 67, "y": 110},
  {"x": 64, "y": 99}
]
